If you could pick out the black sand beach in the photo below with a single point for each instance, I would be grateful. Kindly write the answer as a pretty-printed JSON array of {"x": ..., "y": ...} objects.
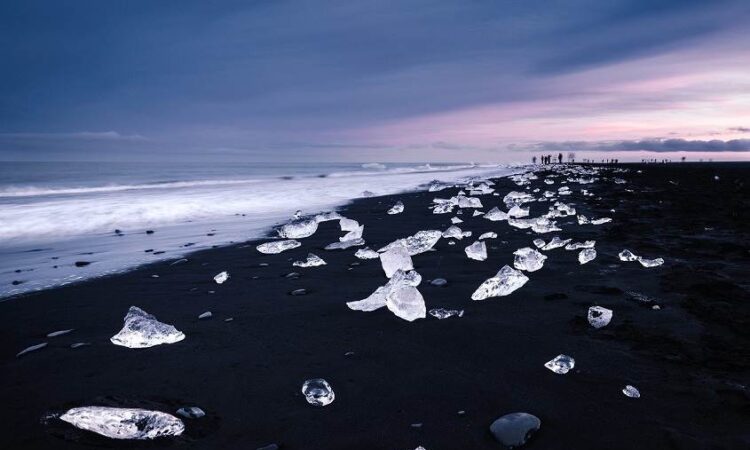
[{"x": 405, "y": 383}]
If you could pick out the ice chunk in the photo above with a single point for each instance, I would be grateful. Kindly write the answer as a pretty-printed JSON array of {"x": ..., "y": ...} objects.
[
  {"x": 419, "y": 242},
  {"x": 631, "y": 391},
  {"x": 562, "y": 364},
  {"x": 318, "y": 392},
  {"x": 406, "y": 302},
  {"x": 488, "y": 235},
  {"x": 142, "y": 330},
  {"x": 398, "y": 208},
  {"x": 221, "y": 277},
  {"x": 397, "y": 258},
  {"x": 601, "y": 220},
  {"x": 517, "y": 198},
  {"x": 528, "y": 259},
  {"x": 477, "y": 213},
  {"x": 579, "y": 245},
  {"x": 456, "y": 220},
  {"x": 496, "y": 215},
  {"x": 206, "y": 315},
  {"x": 503, "y": 283},
  {"x": 328, "y": 216},
  {"x": 583, "y": 220},
  {"x": 366, "y": 253},
  {"x": 311, "y": 261},
  {"x": 191, "y": 412},
  {"x": 31, "y": 349},
  {"x": 278, "y": 246},
  {"x": 347, "y": 224},
  {"x": 377, "y": 299},
  {"x": 650, "y": 262},
  {"x": 353, "y": 235},
  {"x": 443, "y": 208},
  {"x": 477, "y": 250},
  {"x": 586, "y": 255},
  {"x": 627, "y": 255},
  {"x": 442, "y": 313},
  {"x": 345, "y": 244},
  {"x": 543, "y": 225},
  {"x": 59, "y": 333},
  {"x": 539, "y": 243},
  {"x": 124, "y": 423},
  {"x": 298, "y": 229},
  {"x": 556, "y": 242},
  {"x": 518, "y": 211},
  {"x": 453, "y": 232},
  {"x": 599, "y": 316},
  {"x": 469, "y": 202}
]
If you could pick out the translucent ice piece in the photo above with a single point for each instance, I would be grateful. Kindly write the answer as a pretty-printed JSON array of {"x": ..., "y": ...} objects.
[
  {"x": 631, "y": 391},
  {"x": 503, "y": 283},
  {"x": 514, "y": 430},
  {"x": 311, "y": 261},
  {"x": 443, "y": 208},
  {"x": 601, "y": 220},
  {"x": 562, "y": 364},
  {"x": 488, "y": 235},
  {"x": 583, "y": 220},
  {"x": 343, "y": 245},
  {"x": 278, "y": 246},
  {"x": 221, "y": 277},
  {"x": 469, "y": 202},
  {"x": 59, "y": 333},
  {"x": 191, "y": 412},
  {"x": 586, "y": 255},
  {"x": 442, "y": 313},
  {"x": 456, "y": 220},
  {"x": 599, "y": 316},
  {"x": 518, "y": 211},
  {"x": 206, "y": 315},
  {"x": 298, "y": 229},
  {"x": 419, "y": 242},
  {"x": 31, "y": 349},
  {"x": 377, "y": 299},
  {"x": 556, "y": 242},
  {"x": 318, "y": 392},
  {"x": 453, "y": 232},
  {"x": 353, "y": 235},
  {"x": 398, "y": 208},
  {"x": 650, "y": 262},
  {"x": 627, "y": 255},
  {"x": 528, "y": 259},
  {"x": 366, "y": 253},
  {"x": 496, "y": 215},
  {"x": 579, "y": 245},
  {"x": 397, "y": 258},
  {"x": 544, "y": 225},
  {"x": 142, "y": 330},
  {"x": 539, "y": 243},
  {"x": 477, "y": 250},
  {"x": 477, "y": 213},
  {"x": 124, "y": 423},
  {"x": 347, "y": 224},
  {"x": 517, "y": 198},
  {"x": 406, "y": 302}
]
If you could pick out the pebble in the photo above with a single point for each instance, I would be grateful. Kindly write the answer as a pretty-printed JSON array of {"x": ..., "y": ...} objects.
[
  {"x": 513, "y": 430},
  {"x": 439, "y": 282},
  {"x": 191, "y": 412},
  {"x": 298, "y": 292},
  {"x": 205, "y": 315}
]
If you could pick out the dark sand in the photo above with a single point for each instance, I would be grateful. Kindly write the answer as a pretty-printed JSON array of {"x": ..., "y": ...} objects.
[{"x": 690, "y": 359}]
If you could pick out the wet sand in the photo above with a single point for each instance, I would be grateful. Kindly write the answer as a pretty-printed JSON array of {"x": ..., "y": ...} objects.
[{"x": 690, "y": 359}]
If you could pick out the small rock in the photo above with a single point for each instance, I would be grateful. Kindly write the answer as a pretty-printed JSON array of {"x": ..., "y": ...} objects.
[
  {"x": 191, "y": 412},
  {"x": 416, "y": 425},
  {"x": 514, "y": 430},
  {"x": 31, "y": 349},
  {"x": 205, "y": 315},
  {"x": 298, "y": 292},
  {"x": 149, "y": 231},
  {"x": 82, "y": 263},
  {"x": 59, "y": 333},
  {"x": 439, "y": 282}
]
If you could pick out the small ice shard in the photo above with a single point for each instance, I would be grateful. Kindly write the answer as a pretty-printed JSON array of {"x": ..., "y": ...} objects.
[
  {"x": 311, "y": 261},
  {"x": 496, "y": 215},
  {"x": 517, "y": 198},
  {"x": 514, "y": 430},
  {"x": 599, "y": 316},
  {"x": 543, "y": 225},
  {"x": 297, "y": 292},
  {"x": 206, "y": 315},
  {"x": 406, "y": 302},
  {"x": 528, "y": 259},
  {"x": 142, "y": 330},
  {"x": 548, "y": 181},
  {"x": 601, "y": 220},
  {"x": 556, "y": 242},
  {"x": 297, "y": 214},
  {"x": 442, "y": 313},
  {"x": 503, "y": 283},
  {"x": 124, "y": 423},
  {"x": 79, "y": 344},
  {"x": 353, "y": 235},
  {"x": 395, "y": 259},
  {"x": 327, "y": 216},
  {"x": 59, "y": 333},
  {"x": 31, "y": 349},
  {"x": 366, "y": 253},
  {"x": 278, "y": 246},
  {"x": 477, "y": 213},
  {"x": 631, "y": 391},
  {"x": 298, "y": 229},
  {"x": 347, "y": 224},
  {"x": 583, "y": 220},
  {"x": 477, "y": 250},
  {"x": 419, "y": 242},
  {"x": 518, "y": 211},
  {"x": 650, "y": 262},
  {"x": 343, "y": 245},
  {"x": 469, "y": 202},
  {"x": 221, "y": 277},
  {"x": 439, "y": 282},
  {"x": 586, "y": 255},
  {"x": 488, "y": 235},
  {"x": 443, "y": 208},
  {"x": 318, "y": 392},
  {"x": 627, "y": 255},
  {"x": 191, "y": 412},
  {"x": 579, "y": 245},
  {"x": 562, "y": 364},
  {"x": 377, "y": 299},
  {"x": 456, "y": 220},
  {"x": 539, "y": 243},
  {"x": 398, "y": 208},
  {"x": 453, "y": 232}
]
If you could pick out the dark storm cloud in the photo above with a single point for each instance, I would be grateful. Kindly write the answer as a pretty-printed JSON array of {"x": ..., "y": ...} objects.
[{"x": 649, "y": 145}]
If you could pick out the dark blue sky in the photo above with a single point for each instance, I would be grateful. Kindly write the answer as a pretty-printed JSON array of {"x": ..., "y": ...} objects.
[{"x": 369, "y": 80}]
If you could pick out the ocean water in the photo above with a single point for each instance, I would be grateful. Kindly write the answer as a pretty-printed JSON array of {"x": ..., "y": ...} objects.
[{"x": 53, "y": 215}]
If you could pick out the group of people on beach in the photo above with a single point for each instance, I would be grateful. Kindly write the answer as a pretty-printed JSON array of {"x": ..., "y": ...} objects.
[{"x": 548, "y": 159}]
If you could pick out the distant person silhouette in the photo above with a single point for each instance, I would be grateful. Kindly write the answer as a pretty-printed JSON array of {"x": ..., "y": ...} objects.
[
  {"x": 533, "y": 160},
  {"x": 559, "y": 158}
]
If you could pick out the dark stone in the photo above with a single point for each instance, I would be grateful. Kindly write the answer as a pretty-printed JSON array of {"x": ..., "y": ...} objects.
[
  {"x": 439, "y": 282},
  {"x": 514, "y": 430},
  {"x": 82, "y": 263},
  {"x": 149, "y": 231}
]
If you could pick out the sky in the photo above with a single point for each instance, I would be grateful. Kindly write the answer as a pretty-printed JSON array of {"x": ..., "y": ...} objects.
[{"x": 374, "y": 80}]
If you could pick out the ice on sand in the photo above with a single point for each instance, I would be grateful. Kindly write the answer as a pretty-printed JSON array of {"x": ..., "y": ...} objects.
[
  {"x": 583, "y": 220},
  {"x": 377, "y": 299},
  {"x": 191, "y": 412},
  {"x": 579, "y": 245},
  {"x": 366, "y": 253},
  {"x": 514, "y": 430},
  {"x": 518, "y": 211},
  {"x": 395, "y": 259},
  {"x": 496, "y": 215},
  {"x": 539, "y": 243},
  {"x": 442, "y": 313},
  {"x": 142, "y": 330},
  {"x": 311, "y": 261},
  {"x": 31, "y": 349},
  {"x": 627, "y": 255},
  {"x": 503, "y": 283},
  {"x": 477, "y": 250},
  {"x": 562, "y": 364},
  {"x": 586, "y": 255},
  {"x": 221, "y": 277},
  {"x": 601, "y": 220},
  {"x": 453, "y": 232},
  {"x": 59, "y": 333},
  {"x": 274, "y": 247},
  {"x": 298, "y": 229},
  {"x": 469, "y": 202},
  {"x": 456, "y": 220},
  {"x": 398, "y": 208},
  {"x": 406, "y": 302},
  {"x": 599, "y": 316},
  {"x": 631, "y": 391},
  {"x": 124, "y": 423},
  {"x": 347, "y": 224},
  {"x": 206, "y": 315},
  {"x": 488, "y": 235},
  {"x": 419, "y": 242},
  {"x": 528, "y": 259},
  {"x": 343, "y": 245},
  {"x": 556, "y": 242},
  {"x": 318, "y": 392},
  {"x": 477, "y": 213},
  {"x": 353, "y": 234},
  {"x": 650, "y": 262}
]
